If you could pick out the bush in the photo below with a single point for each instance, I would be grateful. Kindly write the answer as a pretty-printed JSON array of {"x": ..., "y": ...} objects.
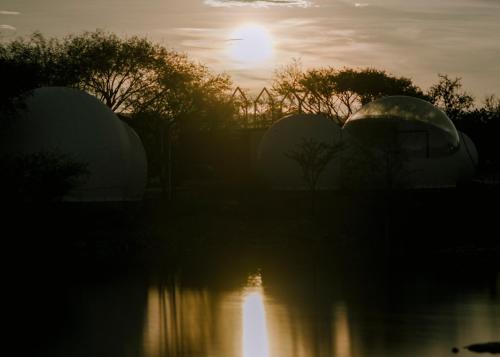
[{"x": 45, "y": 176}]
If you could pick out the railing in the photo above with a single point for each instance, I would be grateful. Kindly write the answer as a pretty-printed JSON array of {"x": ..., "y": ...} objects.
[{"x": 266, "y": 108}]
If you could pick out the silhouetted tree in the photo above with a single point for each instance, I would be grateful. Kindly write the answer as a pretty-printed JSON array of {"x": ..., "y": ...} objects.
[
  {"x": 492, "y": 105},
  {"x": 17, "y": 81},
  {"x": 123, "y": 73},
  {"x": 448, "y": 95},
  {"x": 339, "y": 92},
  {"x": 134, "y": 77},
  {"x": 379, "y": 162},
  {"x": 25, "y": 64},
  {"x": 482, "y": 126},
  {"x": 313, "y": 156},
  {"x": 39, "y": 177},
  {"x": 371, "y": 84}
]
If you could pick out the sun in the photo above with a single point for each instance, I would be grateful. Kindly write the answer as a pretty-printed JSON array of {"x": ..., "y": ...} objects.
[{"x": 250, "y": 44}]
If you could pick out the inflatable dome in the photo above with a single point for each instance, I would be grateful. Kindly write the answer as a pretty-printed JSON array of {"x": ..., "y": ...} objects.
[
  {"x": 78, "y": 125},
  {"x": 287, "y": 135},
  {"x": 410, "y": 143},
  {"x": 415, "y": 124}
]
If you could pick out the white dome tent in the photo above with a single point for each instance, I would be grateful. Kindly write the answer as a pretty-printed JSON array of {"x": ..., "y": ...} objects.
[
  {"x": 286, "y": 135},
  {"x": 78, "y": 125},
  {"x": 432, "y": 153}
]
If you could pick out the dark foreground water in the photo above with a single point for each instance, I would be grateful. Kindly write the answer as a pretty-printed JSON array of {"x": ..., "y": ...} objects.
[{"x": 264, "y": 307}]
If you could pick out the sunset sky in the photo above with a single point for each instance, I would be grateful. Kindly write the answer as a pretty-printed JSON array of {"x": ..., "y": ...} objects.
[{"x": 250, "y": 39}]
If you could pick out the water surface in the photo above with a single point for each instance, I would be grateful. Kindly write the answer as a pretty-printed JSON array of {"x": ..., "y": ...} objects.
[{"x": 270, "y": 309}]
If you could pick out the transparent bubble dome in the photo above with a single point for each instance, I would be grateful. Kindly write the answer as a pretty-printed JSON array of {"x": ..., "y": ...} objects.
[{"x": 404, "y": 115}]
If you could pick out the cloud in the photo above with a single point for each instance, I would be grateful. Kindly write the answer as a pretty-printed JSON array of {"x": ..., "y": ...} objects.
[
  {"x": 258, "y": 3},
  {"x": 361, "y": 4},
  {"x": 7, "y": 27},
  {"x": 5, "y": 12}
]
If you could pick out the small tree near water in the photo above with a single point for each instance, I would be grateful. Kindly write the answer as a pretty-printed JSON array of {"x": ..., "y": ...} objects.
[
  {"x": 40, "y": 177},
  {"x": 313, "y": 156}
]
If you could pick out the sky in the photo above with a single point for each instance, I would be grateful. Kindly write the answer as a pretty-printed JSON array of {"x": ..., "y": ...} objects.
[{"x": 251, "y": 39}]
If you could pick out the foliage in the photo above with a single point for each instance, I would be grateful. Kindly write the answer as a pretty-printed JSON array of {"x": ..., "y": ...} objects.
[
  {"x": 313, "y": 156},
  {"x": 492, "y": 105},
  {"x": 379, "y": 162},
  {"x": 40, "y": 177},
  {"x": 11, "y": 91},
  {"x": 482, "y": 125},
  {"x": 43, "y": 59},
  {"x": 138, "y": 79},
  {"x": 447, "y": 95},
  {"x": 26, "y": 64},
  {"x": 128, "y": 75},
  {"x": 370, "y": 84},
  {"x": 116, "y": 71},
  {"x": 338, "y": 92},
  {"x": 162, "y": 92},
  {"x": 134, "y": 75}
]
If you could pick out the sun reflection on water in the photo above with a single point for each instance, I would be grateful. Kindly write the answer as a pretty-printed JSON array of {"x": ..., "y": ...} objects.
[
  {"x": 342, "y": 336},
  {"x": 255, "y": 336}
]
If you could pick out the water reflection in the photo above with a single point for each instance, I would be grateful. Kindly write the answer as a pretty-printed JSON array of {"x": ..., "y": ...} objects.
[
  {"x": 182, "y": 322},
  {"x": 260, "y": 320},
  {"x": 177, "y": 322},
  {"x": 255, "y": 336},
  {"x": 342, "y": 336},
  {"x": 244, "y": 322}
]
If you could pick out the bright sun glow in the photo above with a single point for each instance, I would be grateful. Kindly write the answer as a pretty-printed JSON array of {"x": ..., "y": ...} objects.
[
  {"x": 250, "y": 44},
  {"x": 255, "y": 340}
]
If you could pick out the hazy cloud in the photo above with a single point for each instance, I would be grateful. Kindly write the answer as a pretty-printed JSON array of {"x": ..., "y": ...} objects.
[
  {"x": 361, "y": 4},
  {"x": 5, "y": 12},
  {"x": 7, "y": 27},
  {"x": 258, "y": 3}
]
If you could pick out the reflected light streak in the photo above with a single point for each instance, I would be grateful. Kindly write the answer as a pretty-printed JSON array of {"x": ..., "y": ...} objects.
[
  {"x": 178, "y": 322},
  {"x": 342, "y": 335},
  {"x": 255, "y": 337},
  {"x": 152, "y": 328}
]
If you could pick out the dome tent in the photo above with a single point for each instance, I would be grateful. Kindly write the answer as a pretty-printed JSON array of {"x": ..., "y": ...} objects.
[
  {"x": 79, "y": 126},
  {"x": 416, "y": 138},
  {"x": 286, "y": 135},
  {"x": 415, "y": 123}
]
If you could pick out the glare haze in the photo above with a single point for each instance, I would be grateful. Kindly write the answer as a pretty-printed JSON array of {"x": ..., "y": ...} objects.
[{"x": 416, "y": 39}]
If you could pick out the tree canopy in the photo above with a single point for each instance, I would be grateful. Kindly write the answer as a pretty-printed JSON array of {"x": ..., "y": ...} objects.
[
  {"x": 338, "y": 92},
  {"x": 156, "y": 90},
  {"x": 129, "y": 75},
  {"x": 25, "y": 64},
  {"x": 162, "y": 93},
  {"x": 448, "y": 95}
]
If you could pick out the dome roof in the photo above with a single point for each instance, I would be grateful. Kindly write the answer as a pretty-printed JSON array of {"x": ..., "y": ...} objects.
[
  {"x": 78, "y": 125},
  {"x": 405, "y": 115},
  {"x": 287, "y": 135}
]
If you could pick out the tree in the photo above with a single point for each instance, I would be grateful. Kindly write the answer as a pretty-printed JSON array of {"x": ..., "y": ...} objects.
[
  {"x": 187, "y": 100},
  {"x": 137, "y": 79},
  {"x": 447, "y": 95},
  {"x": 371, "y": 84},
  {"x": 40, "y": 177},
  {"x": 338, "y": 93},
  {"x": 380, "y": 162},
  {"x": 482, "y": 126},
  {"x": 492, "y": 105},
  {"x": 26, "y": 64},
  {"x": 17, "y": 81},
  {"x": 123, "y": 73},
  {"x": 313, "y": 156}
]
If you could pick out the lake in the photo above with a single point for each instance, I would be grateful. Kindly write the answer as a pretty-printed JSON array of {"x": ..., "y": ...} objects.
[{"x": 263, "y": 305}]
